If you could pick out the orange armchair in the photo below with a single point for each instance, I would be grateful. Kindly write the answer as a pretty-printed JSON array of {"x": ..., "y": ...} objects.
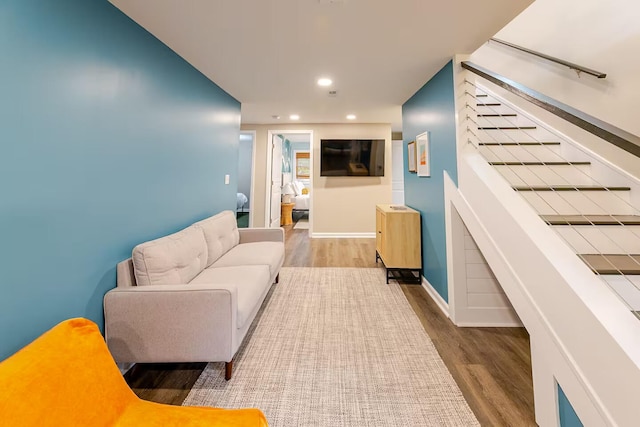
[{"x": 67, "y": 377}]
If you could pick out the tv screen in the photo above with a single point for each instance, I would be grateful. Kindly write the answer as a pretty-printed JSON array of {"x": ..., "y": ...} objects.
[{"x": 352, "y": 157}]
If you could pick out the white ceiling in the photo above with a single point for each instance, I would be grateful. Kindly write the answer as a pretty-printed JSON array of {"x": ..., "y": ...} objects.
[{"x": 268, "y": 54}]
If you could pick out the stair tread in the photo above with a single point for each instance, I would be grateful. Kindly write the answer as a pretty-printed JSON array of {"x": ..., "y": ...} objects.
[
  {"x": 612, "y": 263},
  {"x": 539, "y": 163},
  {"x": 488, "y": 104},
  {"x": 497, "y": 115},
  {"x": 507, "y": 127},
  {"x": 591, "y": 219},
  {"x": 569, "y": 188},
  {"x": 517, "y": 143}
]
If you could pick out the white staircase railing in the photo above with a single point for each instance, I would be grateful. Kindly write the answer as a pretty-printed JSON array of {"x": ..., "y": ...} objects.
[
  {"x": 528, "y": 166},
  {"x": 584, "y": 334}
]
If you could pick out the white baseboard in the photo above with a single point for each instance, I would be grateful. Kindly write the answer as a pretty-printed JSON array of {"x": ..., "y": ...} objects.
[
  {"x": 483, "y": 317},
  {"x": 435, "y": 296},
  {"x": 343, "y": 235},
  {"x": 505, "y": 322}
]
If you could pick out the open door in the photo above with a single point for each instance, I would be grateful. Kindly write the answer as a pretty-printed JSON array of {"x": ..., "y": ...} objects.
[{"x": 276, "y": 181}]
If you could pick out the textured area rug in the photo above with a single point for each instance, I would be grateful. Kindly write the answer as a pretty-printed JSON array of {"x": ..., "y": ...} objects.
[
  {"x": 302, "y": 224},
  {"x": 337, "y": 347}
]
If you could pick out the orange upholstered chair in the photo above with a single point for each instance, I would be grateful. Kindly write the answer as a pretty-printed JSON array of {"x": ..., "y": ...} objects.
[{"x": 67, "y": 377}]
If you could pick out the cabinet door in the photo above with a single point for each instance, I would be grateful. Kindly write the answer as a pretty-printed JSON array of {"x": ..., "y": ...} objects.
[
  {"x": 378, "y": 229},
  {"x": 403, "y": 240},
  {"x": 381, "y": 233}
]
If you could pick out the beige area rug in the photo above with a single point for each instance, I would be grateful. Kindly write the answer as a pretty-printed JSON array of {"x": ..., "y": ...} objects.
[
  {"x": 337, "y": 347},
  {"x": 302, "y": 224}
]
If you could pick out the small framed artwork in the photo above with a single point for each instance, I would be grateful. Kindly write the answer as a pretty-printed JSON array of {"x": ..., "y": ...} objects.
[
  {"x": 302, "y": 164},
  {"x": 422, "y": 154},
  {"x": 411, "y": 156}
]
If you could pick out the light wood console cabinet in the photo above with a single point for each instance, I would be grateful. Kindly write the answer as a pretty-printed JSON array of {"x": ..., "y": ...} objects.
[{"x": 398, "y": 240}]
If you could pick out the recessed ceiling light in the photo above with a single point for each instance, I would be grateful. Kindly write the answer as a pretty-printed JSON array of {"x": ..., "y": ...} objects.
[
  {"x": 351, "y": 116},
  {"x": 294, "y": 117},
  {"x": 324, "y": 82}
]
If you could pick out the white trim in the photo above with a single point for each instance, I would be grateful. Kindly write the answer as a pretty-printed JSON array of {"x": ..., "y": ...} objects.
[
  {"x": 311, "y": 190},
  {"x": 253, "y": 175},
  {"x": 491, "y": 324},
  {"x": 343, "y": 235},
  {"x": 435, "y": 296},
  {"x": 267, "y": 180}
]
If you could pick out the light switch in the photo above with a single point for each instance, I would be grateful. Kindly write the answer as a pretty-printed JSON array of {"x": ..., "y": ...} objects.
[{"x": 226, "y": 179}]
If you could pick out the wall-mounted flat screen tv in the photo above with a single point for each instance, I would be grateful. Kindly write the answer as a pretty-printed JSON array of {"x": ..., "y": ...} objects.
[{"x": 352, "y": 157}]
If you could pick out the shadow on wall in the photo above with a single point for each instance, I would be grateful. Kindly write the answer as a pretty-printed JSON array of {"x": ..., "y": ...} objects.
[
  {"x": 350, "y": 182},
  {"x": 104, "y": 284}
]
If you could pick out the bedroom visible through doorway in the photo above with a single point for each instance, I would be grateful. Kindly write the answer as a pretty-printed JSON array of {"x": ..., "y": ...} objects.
[{"x": 295, "y": 175}]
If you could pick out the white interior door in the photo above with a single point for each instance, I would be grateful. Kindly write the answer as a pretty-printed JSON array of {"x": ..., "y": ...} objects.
[
  {"x": 397, "y": 173},
  {"x": 276, "y": 181}
]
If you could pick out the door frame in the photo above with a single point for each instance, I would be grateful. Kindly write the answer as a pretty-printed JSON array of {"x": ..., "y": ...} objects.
[
  {"x": 267, "y": 207},
  {"x": 252, "y": 196}
]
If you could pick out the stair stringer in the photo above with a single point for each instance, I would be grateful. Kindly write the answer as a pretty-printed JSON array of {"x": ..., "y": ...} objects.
[{"x": 582, "y": 335}]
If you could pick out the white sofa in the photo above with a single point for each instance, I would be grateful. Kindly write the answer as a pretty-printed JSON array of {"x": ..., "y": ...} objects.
[{"x": 191, "y": 296}]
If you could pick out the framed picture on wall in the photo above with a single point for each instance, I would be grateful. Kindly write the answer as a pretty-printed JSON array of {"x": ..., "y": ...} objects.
[
  {"x": 423, "y": 156},
  {"x": 302, "y": 164},
  {"x": 411, "y": 156}
]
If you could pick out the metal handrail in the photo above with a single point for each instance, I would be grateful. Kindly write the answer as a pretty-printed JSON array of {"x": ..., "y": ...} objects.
[
  {"x": 571, "y": 65},
  {"x": 616, "y": 136}
]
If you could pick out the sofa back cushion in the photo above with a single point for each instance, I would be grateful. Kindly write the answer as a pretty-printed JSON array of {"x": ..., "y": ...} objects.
[
  {"x": 221, "y": 233},
  {"x": 170, "y": 260}
]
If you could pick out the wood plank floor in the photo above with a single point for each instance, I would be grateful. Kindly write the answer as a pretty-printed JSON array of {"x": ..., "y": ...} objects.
[{"x": 492, "y": 366}]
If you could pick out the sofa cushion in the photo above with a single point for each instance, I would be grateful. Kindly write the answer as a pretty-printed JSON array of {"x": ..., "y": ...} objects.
[
  {"x": 256, "y": 253},
  {"x": 221, "y": 234},
  {"x": 252, "y": 283},
  {"x": 170, "y": 260}
]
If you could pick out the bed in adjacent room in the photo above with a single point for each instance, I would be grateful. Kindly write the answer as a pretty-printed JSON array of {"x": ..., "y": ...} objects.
[
  {"x": 300, "y": 197},
  {"x": 241, "y": 202}
]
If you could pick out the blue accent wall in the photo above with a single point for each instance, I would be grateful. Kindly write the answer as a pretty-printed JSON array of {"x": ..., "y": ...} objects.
[
  {"x": 568, "y": 416},
  {"x": 108, "y": 139},
  {"x": 432, "y": 109}
]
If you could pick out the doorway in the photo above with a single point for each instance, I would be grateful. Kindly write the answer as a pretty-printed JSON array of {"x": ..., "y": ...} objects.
[
  {"x": 245, "y": 192},
  {"x": 290, "y": 176}
]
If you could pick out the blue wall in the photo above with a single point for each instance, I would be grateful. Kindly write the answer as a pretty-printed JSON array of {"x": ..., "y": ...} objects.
[
  {"x": 432, "y": 109},
  {"x": 568, "y": 416},
  {"x": 108, "y": 139}
]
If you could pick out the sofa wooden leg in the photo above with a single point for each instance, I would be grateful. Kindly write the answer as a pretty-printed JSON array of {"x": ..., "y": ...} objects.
[
  {"x": 278, "y": 278},
  {"x": 228, "y": 367}
]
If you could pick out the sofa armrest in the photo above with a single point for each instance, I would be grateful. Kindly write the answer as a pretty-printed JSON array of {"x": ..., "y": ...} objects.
[
  {"x": 257, "y": 234},
  {"x": 171, "y": 323}
]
